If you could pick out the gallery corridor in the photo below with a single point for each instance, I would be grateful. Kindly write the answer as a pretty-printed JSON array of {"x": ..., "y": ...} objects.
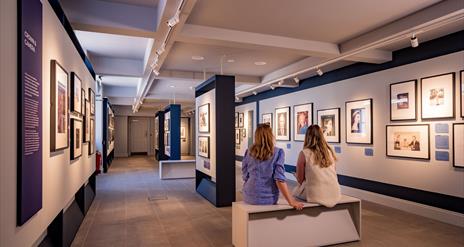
[{"x": 133, "y": 207}]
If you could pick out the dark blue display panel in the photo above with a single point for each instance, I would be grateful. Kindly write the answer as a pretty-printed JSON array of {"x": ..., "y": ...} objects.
[{"x": 29, "y": 192}]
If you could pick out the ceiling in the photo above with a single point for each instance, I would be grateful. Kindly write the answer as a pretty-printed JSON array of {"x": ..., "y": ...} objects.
[{"x": 289, "y": 38}]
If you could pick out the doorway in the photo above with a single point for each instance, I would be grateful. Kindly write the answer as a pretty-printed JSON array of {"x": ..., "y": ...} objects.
[{"x": 138, "y": 136}]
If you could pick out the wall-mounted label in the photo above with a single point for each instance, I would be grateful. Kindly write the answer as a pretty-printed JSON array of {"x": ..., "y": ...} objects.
[
  {"x": 369, "y": 152},
  {"x": 289, "y": 145},
  {"x": 441, "y": 142},
  {"x": 442, "y": 155},
  {"x": 338, "y": 149},
  {"x": 441, "y": 128}
]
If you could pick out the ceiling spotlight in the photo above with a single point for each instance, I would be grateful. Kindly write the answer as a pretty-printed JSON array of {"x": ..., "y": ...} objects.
[
  {"x": 174, "y": 20},
  {"x": 414, "y": 41},
  {"x": 255, "y": 93},
  {"x": 272, "y": 87},
  {"x": 281, "y": 82},
  {"x": 156, "y": 72},
  {"x": 319, "y": 72},
  {"x": 297, "y": 80},
  {"x": 260, "y": 63},
  {"x": 198, "y": 58},
  {"x": 172, "y": 86},
  {"x": 161, "y": 49},
  {"x": 230, "y": 60},
  {"x": 191, "y": 87}
]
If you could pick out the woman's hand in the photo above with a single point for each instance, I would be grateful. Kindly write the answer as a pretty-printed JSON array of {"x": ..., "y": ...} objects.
[{"x": 296, "y": 205}]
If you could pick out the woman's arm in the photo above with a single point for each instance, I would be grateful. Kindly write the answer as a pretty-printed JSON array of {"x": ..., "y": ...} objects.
[
  {"x": 284, "y": 189},
  {"x": 300, "y": 168}
]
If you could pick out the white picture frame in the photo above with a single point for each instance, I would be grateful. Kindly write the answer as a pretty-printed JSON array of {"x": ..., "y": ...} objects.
[
  {"x": 59, "y": 117},
  {"x": 302, "y": 119},
  {"x": 408, "y": 141},
  {"x": 329, "y": 121},
  {"x": 438, "y": 96},
  {"x": 203, "y": 118},
  {"x": 358, "y": 121},
  {"x": 282, "y": 124},
  {"x": 203, "y": 146},
  {"x": 458, "y": 145},
  {"x": 403, "y": 101}
]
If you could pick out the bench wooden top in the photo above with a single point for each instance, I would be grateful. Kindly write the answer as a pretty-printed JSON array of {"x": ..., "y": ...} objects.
[
  {"x": 283, "y": 205},
  {"x": 176, "y": 161}
]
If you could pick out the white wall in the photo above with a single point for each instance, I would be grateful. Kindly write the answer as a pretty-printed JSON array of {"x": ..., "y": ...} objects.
[
  {"x": 435, "y": 176},
  {"x": 61, "y": 178},
  {"x": 121, "y": 137}
]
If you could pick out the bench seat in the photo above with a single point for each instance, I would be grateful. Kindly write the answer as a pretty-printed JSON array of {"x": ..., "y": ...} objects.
[{"x": 173, "y": 169}]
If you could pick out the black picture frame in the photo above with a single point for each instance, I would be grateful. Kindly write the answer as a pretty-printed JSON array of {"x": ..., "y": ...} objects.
[
  {"x": 208, "y": 120},
  {"x": 339, "y": 122},
  {"x": 73, "y": 106},
  {"x": 454, "y": 146},
  {"x": 241, "y": 116},
  {"x": 83, "y": 95},
  {"x": 74, "y": 121},
  {"x": 416, "y": 95},
  {"x": 53, "y": 104},
  {"x": 289, "y": 120},
  {"x": 271, "y": 123},
  {"x": 92, "y": 101},
  {"x": 310, "y": 117},
  {"x": 86, "y": 123},
  {"x": 91, "y": 149},
  {"x": 209, "y": 146},
  {"x": 408, "y": 125},
  {"x": 453, "y": 86},
  {"x": 371, "y": 122},
  {"x": 236, "y": 120}
]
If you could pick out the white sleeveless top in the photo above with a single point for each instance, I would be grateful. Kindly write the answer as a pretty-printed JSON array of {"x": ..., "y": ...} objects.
[{"x": 321, "y": 184}]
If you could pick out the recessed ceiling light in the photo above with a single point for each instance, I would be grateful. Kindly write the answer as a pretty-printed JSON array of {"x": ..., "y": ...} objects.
[
  {"x": 230, "y": 60},
  {"x": 198, "y": 58},
  {"x": 260, "y": 63},
  {"x": 172, "y": 86},
  {"x": 191, "y": 87}
]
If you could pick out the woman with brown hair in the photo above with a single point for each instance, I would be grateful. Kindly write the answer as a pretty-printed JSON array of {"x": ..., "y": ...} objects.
[
  {"x": 263, "y": 171},
  {"x": 315, "y": 170}
]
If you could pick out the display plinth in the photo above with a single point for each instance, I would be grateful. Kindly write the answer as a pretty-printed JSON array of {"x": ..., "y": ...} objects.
[{"x": 215, "y": 154}]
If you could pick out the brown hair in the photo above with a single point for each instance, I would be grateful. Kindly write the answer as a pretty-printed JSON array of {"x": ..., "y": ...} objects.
[
  {"x": 324, "y": 156},
  {"x": 263, "y": 148}
]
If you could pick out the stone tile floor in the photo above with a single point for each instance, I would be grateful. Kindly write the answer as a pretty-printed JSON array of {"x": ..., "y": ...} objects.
[{"x": 133, "y": 207}]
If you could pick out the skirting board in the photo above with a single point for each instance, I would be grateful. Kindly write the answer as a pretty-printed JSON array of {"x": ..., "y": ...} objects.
[{"x": 407, "y": 206}]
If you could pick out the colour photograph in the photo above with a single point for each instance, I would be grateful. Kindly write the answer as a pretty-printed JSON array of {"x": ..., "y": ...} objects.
[
  {"x": 438, "y": 94},
  {"x": 303, "y": 119},
  {"x": 76, "y": 138},
  {"x": 329, "y": 121},
  {"x": 203, "y": 146},
  {"x": 403, "y": 100},
  {"x": 358, "y": 123},
  {"x": 76, "y": 94},
  {"x": 60, "y": 107},
  {"x": 267, "y": 119},
  {"x": 282, "y": 130},
  {"x": 408, "y": 141}
]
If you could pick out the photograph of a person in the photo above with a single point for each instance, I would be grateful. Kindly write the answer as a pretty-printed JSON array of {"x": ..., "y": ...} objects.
[
  {"x": 76, "y": 95},
  {"x": 76, "y": 141},
  {"x": 329, "y": 121},
  {"x": 59, "y": 93},
  {"x": 282, "y": 124},
  {"x": 438, "y": 96},
  {"x": 358, "y": 122},
  {"x": 203, "y": 146},
  {"x": 403, "y": 100},
  {"x": 203, "y": 118},
  {"x": 267, "y": 119},
  {"x": 303, "y": 119},
  {"x": 408, "y": 141}
]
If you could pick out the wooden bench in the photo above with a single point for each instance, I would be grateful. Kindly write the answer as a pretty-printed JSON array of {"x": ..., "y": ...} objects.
[
  {"x": 281, "y": 225},
  {"x": 172, "y": 169}
]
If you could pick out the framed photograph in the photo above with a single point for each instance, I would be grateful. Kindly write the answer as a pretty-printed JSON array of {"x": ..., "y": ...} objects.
[
  {"x": 408, "y": 141},
  {"x": 92, "y": 137},
  {"x": 237, "y": 136},
  {"x": 83, "y": 102},
  {"x": 461, "y": 87},
  {"x": 243, "y": 131},
  {"x": 438, "y": 96},
  {"x": 203, "y": 146},
  {"x": 358, "y": 121},
  {"x": 329, "y": 121},
  {"x": 76, "y": 94},
  {"x": 458, "y": 145},
  {"x": 303, "y": 119},
  {"x": 403, "y": 101},
  {"x": 59, "y": 117},
  {"x": 92, "y": 101},
  {"x": 87, "y": 122},
  {"x": 236, "y": 120},
  {"x": 241, "y": 120},
  {"x": 76, "y": 141},
  {"x": 267, "y": 119},
  {"x": 182, "y": 133},
  {"x": 282, "y": 124},
  {"x": 203, "y": 118}
]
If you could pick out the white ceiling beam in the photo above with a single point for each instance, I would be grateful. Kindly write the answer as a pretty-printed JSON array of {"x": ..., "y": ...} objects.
[
  {"x": 199, "y": 76},
  {"x": 292, "y": 68},
  {"x": 112, "y": 30},
  {"x": 116, "y": 66},
  {"x": 232, "y": 38},
  {"x": 414, "y": 23}
]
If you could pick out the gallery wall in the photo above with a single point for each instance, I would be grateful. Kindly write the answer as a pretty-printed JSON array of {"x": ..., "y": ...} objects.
[
  {"x": 244, "y": 143},
  {"x": 370, "y": 161},
  {"x": 61, "y": 177},
  {"x": 207, "y": 98},
  {"x": 185, "y": 140}
]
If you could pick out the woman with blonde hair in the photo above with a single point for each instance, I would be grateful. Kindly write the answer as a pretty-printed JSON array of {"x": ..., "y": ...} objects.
[
  {"x": 315, "y": 170},
  {"x": 263, "y": 171}
]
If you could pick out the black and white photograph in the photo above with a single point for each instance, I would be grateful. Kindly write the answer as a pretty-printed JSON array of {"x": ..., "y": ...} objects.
[
  {"x": 358, "y": 121},
  {"x": 241, "y": 120},
  {"x": 92, "y": 101},
  {"x": 203, "y": 146},
  {"x": 237, "y": 136},
  {"x": 236, "y": 120},
  {"x": 267, "y": 119},
  {"x": 203, "y": 118},
  {"x": 303, "y": 118},
  {"x": 329, "y": 121},
  {"x": 438, "y": 96},
  {"x": 282, "y": 130},
  {"x": 76, "y": 141},
  {"x": 403, "y": 100},
  {"x": 60, "y": 107},
  {"x": 458, "y": 145},
  {"x": 408, "y": 141}
]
